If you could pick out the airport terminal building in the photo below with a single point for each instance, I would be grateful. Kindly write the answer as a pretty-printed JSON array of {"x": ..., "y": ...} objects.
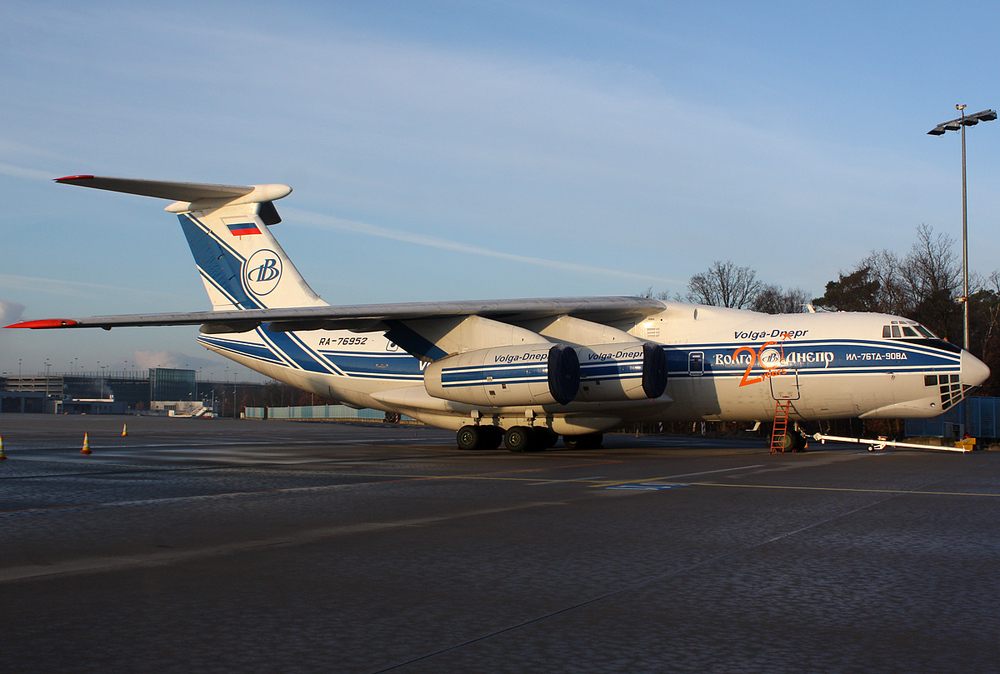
[{"x": 123, "y": 392}]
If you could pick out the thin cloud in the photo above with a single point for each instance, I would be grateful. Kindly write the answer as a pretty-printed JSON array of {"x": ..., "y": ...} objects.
[
  {"x": 366, "y": 229},
  {"x": 63, "y": 288},
  {"x": 26, "y": 173}
]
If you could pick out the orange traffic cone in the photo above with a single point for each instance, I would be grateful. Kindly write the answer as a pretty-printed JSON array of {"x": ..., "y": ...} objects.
[
  {"x": 124, "y": 430},
  {"x": 86, "y": 444},
  {"x": 2, "y": 455}
]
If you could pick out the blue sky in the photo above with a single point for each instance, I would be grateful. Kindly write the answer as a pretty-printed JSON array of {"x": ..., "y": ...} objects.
[{"x": 453, "y": 150}]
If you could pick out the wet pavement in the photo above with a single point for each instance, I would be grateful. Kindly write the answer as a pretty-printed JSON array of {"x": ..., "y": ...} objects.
[{"x": 217, "y": 545}]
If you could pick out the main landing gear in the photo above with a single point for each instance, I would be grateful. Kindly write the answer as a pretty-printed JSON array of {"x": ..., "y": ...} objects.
[
  {"x": 527, "y": 439},
  {"x": 521, "y": 439},
  {"x": 479, "y": 437}
]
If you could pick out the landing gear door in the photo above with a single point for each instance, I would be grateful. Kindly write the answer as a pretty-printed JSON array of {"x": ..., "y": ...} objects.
[{"x": 785, "y": 386}]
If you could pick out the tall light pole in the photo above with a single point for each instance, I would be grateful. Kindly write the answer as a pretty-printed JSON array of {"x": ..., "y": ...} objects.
[{"x": 939, "y": 130}]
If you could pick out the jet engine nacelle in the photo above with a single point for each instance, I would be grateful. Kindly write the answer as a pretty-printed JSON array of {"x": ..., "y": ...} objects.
[
  {"x": 630, "y": 371},
  {"x": 530, "y": 374}
]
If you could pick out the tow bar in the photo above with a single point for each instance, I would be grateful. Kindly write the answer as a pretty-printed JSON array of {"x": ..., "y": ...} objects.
[{"x": 882, "y": 443}]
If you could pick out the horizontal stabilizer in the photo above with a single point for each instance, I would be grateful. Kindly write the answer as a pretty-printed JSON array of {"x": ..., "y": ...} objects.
[{"x": 159, "y": 188}]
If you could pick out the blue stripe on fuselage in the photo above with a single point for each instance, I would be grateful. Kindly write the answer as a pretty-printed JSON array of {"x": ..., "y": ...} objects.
[
  {"x": 841, "y": 356},
  {"x": 290, "y": 350},
  {"x": 217, "y": 261}
]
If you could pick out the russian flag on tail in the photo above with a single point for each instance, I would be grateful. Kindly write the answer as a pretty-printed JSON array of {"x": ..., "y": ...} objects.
[{"x": 243, "y": 228}]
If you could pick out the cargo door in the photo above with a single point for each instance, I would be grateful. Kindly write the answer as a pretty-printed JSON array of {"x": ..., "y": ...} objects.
[{"x": 785, "y": 386}]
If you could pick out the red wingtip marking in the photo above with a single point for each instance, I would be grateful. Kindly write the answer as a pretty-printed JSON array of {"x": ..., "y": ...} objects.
[
  {"x": 44, "y": 323},
  {"x": 61, "y": 180}
]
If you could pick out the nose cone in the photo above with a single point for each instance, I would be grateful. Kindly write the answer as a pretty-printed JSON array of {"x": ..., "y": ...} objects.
[{"x": 974, "y": 371}]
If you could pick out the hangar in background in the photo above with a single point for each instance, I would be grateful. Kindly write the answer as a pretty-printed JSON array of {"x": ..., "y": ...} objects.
[{"x": 120, "y": 392}]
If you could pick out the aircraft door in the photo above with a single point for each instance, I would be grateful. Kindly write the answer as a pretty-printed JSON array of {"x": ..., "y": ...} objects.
[{"x": 785, "y": 386}]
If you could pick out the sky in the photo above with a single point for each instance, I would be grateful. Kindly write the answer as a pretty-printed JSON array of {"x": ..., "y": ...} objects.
[{"x": 461, "y": 150}]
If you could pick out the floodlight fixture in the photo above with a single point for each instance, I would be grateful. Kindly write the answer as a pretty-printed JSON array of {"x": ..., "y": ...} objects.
[{"x": 964, "y": 120}]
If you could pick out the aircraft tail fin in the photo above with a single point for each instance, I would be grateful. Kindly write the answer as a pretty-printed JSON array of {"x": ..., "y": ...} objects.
[{"x": 240, "y": 261}]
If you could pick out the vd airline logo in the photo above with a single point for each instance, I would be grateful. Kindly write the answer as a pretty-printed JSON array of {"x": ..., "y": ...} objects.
[
  {"x": 772, "y": 358},
  {"x": 768, "y": 358},
  {"x": 262, "y": 272}
]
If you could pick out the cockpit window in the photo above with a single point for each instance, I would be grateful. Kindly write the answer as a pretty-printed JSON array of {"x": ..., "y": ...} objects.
[{"x": 906, "y": 330}]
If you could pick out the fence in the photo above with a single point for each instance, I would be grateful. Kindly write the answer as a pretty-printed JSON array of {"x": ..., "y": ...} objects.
[
  {"x": 982, "y": 421},
  {"x": 325, "y": 412}
]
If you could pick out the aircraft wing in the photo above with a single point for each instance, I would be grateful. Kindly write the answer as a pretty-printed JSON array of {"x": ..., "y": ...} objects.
[{"x": 372, "y": 317}]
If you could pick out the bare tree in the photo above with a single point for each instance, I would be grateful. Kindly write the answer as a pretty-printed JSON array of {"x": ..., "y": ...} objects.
[
  {"x": 932, "y": 276},
  {"x": 853, "y": 291},
  {"x": 772, "y": 299},
  {"x": 724, "y": 285},
  {"x": 662, "y": 295},
  {"x": 924, "y": 282},
  {"x": 885, "y": 271},
  {"x": 932, "y": 265}
]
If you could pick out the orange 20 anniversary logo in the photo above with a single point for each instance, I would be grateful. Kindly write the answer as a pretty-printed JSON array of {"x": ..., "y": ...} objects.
[{"x": 767, "y": 357}]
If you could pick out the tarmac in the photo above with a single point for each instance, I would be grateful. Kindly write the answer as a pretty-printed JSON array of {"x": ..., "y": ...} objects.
[{"x": 223, "y": 545}]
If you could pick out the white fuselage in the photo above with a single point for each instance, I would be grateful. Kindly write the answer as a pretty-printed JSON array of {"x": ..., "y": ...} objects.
[{"x": 723, "y": 365}]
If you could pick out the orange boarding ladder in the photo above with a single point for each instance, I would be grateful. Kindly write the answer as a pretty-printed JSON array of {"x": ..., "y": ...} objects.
[{"x": 780, "y": 427}]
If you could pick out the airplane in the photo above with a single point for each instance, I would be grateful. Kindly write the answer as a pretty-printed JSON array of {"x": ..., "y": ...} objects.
[{"x": 526, "y": 371}]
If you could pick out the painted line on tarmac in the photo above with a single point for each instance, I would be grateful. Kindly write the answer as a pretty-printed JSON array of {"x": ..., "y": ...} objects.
[
  {"x": 647, "y": 486},
  {"x": 650, "y": 480},
  {"x": 898, "y": 492},
  {"x": 163, "y": 558},
  {"x": 380, "y": 478},
  {"x": 594, "y": 478}
]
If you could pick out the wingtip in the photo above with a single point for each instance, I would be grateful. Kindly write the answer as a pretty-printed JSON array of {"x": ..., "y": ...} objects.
[
  {"x": 44, "y": 323},
  {"x": 70, "y": 179}
]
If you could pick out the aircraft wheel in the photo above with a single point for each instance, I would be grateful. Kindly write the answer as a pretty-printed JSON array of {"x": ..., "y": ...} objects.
[
  {"x": 469, "y": 437},
  {"x": 542, "y": 439},
  {"x": 490, "y": 437},
  {"x": 787, "y": 443},
  {"x": 518, "y": 439}
]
